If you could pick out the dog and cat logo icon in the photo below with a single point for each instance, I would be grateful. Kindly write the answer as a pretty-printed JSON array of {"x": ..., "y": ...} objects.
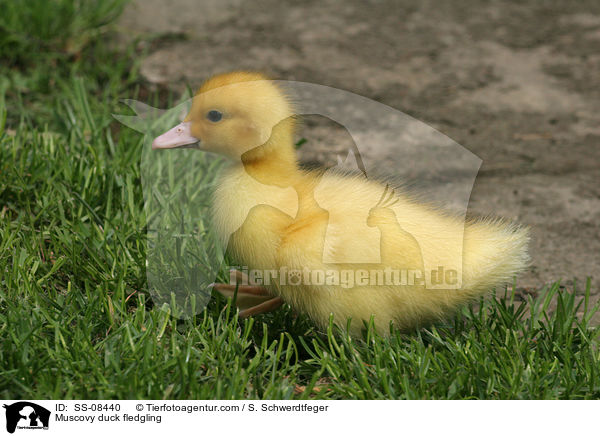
[{"x": 26, "y": 415}]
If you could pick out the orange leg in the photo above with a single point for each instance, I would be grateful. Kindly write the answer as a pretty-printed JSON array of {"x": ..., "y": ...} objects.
[
  {"x": 267, "y": 306},
  {"x": 251, "y": 300}
]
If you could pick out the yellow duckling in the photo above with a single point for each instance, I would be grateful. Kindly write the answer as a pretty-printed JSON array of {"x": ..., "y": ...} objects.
[{"x": 269, "y": 210}]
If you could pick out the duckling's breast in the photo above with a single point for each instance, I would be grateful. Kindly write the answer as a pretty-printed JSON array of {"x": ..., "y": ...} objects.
[{"x": 250, "y": 217}]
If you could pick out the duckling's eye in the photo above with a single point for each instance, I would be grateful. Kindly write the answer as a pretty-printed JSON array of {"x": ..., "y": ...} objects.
[{"x": 214, "y": 116}]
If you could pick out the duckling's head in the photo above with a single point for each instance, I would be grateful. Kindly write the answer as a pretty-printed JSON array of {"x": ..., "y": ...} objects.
[{"x": 234, "y": 114}]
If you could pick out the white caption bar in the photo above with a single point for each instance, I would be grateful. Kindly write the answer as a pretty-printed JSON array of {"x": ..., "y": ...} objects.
[{"x": 149, "y": 417}]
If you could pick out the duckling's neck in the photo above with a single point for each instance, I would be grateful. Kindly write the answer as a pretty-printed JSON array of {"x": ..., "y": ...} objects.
[{"x": 274, "y": 162}]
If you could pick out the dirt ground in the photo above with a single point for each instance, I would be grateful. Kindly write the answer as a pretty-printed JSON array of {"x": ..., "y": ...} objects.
[{"x": 516, "y": 83}]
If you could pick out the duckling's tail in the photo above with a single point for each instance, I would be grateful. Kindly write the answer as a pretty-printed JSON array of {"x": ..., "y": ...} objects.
[{"x": 493, "y": 253}]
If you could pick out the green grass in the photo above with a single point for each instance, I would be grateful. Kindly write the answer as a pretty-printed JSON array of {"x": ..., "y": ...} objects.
[
  {"x": 51, "y": 30},
  {"x": 76, "y": 319}
]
